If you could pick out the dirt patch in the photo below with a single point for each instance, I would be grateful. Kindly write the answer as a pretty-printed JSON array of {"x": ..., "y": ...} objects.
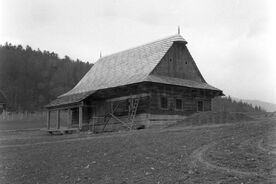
[
  {"x": 241, "y": 156},
  {"x": 146, "y": 156},
  {"x": 199, "y": 154}
]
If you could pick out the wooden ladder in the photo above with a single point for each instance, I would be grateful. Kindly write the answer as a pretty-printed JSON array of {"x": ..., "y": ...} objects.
[{"x": 133, "y": 111}]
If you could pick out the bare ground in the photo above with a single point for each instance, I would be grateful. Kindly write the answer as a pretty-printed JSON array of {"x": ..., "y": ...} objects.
[{"x": 228, "y": 153}]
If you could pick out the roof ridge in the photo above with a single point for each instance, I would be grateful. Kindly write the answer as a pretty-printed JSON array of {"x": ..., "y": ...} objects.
[{"x": 142, "y": 45}]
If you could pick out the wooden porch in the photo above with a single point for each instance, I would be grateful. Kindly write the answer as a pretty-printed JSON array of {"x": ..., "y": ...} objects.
[
  {"x": 70, "y": 127},
  {"x": 83, "y": 117}
]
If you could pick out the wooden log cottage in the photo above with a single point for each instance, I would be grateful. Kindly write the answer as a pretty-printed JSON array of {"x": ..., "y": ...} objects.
[{"x": 150, "y": 85}]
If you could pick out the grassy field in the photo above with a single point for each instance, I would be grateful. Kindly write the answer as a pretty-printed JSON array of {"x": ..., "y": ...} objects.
[
  {"x": 33, "y": 121},
  {"x": 228, "y": 153}
]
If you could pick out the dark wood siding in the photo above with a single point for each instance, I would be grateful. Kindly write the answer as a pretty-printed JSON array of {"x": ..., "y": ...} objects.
[
  {"x": 104, "y": 100},
  {"x": 150, "y": 100},
  {"x": 189, "y": 97},
  {"x": 178, "y": 63},
  {"x": 123, "y": 110}
]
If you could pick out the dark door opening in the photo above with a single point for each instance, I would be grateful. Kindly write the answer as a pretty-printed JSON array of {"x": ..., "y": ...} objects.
[{"x": 75, "y": 116}]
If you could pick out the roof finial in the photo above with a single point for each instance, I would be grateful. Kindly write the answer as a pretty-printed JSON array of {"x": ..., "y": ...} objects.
[
  {"x": 100, "y": 54},
  {"x": 178, "y": 30}
]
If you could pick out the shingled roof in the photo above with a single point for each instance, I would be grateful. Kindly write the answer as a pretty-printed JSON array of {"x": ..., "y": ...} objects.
[{"x": 127, "y": 67}]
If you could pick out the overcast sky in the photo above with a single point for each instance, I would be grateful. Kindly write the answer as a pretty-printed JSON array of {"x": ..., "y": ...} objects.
[{"x": 231, "y": 41}]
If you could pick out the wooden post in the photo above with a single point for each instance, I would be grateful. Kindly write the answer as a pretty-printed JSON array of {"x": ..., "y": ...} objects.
[
  {"x": 93, "y": 121},
  {"x": 69, "y": 118},
  {"x": 80, "y": 117},
  {"x": 48, "y": 119},
  {"x": 58, "y": 119}
]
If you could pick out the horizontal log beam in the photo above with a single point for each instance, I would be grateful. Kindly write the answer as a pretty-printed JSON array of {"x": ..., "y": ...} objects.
[{"x": 127, "y": 97}]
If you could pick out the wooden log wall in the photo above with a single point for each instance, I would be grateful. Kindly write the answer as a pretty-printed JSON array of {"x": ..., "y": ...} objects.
[
  {"x": 123, "y": 108},
  {"x": 189, "y": 97},
  {"x": 149, "y": 101},
  {"x": 103, "y": 102}
]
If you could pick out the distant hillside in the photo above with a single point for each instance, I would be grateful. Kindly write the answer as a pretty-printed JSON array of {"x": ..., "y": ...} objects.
[
  {"x": 32, "y": 78},
  {"x": 269, "y": 107}
]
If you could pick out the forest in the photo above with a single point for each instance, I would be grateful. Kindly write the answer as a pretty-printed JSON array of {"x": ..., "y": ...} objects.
[
  {"x": 228, "y": 104},
  {"x": 32, "y": 78}
]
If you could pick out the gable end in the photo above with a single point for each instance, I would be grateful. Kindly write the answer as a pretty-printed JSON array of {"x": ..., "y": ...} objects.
[{"x": 178, "y": 63}]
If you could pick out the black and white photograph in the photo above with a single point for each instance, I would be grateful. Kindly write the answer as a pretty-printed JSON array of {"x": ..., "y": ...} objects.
[{"x": 137, "y": 92}]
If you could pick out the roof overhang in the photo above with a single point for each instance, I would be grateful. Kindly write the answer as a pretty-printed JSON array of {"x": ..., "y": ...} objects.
[
  {"x": 181, "y": 82},
  {"x": 68, "y": 100}
]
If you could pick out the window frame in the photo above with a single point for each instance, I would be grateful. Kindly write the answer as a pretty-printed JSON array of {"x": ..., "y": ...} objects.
[{"x": 177, "y": 109}]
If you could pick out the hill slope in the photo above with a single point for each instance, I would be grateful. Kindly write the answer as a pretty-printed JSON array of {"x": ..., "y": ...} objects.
[
  {"x": 269, "y": 107},
  {"x": 31, "y": 78}
]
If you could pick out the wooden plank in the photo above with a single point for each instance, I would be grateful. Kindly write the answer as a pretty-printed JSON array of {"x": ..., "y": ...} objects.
[
  {"x": 62, "y": 131},
  {"x": 64, "y": 107},
  {"x": 125, "y": 124},
  {"x": 128, "y": 97}
]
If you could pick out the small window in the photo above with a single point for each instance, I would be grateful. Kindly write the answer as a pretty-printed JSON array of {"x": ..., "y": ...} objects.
[
  {"x": 200, "y": 106},
  {"x": 164, "y": 102},
  {"x": 186, "y": 62},
  {"x": 170, "y": 59},
  {"x": 194, "y": 93},
  {"x": 178, "y": 104}
]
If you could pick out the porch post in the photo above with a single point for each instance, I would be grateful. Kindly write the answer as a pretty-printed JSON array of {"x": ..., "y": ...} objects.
[
  {"x": 58, "y": 119},
  {"x": 48, "y": 119},
  {"x": 69, "y": 118},
  {"x": 80, "y": 117}
]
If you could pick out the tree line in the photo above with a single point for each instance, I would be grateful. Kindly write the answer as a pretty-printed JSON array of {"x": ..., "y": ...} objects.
[
  {"x": 229, "y": 105},
  {"x": 32, "y": 78}
]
